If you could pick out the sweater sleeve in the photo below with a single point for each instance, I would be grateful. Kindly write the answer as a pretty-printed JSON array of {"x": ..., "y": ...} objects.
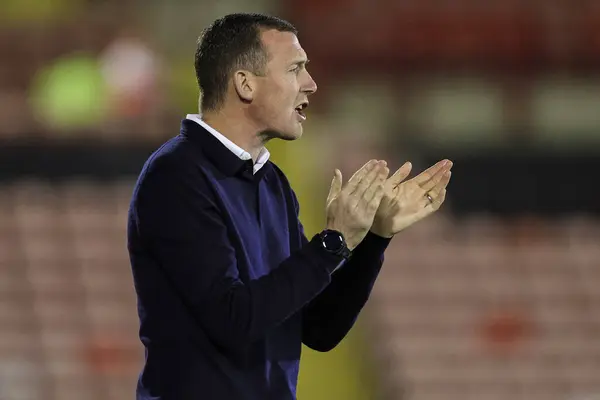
[
  {"x": 328, "y": 318},
  {"x": 183, "y": 230}
]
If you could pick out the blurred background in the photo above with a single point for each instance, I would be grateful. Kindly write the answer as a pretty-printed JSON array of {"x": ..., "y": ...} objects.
[{"x": 494, "y": 297}]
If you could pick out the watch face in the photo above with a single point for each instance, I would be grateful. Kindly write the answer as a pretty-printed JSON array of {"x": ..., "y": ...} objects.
[{"x": 333, "y": 241}]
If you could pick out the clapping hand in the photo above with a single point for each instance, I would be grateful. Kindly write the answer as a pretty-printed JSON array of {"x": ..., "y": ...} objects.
[
  {"x": 351, "y": 208},
  {"x": 406, "y": 202}
]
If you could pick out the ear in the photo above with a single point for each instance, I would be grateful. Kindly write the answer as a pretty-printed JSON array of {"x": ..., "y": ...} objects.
[{"x": 245, "y": 85}]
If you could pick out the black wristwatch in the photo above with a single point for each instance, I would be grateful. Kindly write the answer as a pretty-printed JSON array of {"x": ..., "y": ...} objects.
[{"x": 334, "y": 243}]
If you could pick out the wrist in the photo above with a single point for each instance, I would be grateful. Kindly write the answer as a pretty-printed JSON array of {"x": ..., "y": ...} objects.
[
  {"x": 382, "y": 235},
  {"x": 348, "y": 239},
  {"x": 381, "y": 232},
  {"x": 334, "y": 242}
]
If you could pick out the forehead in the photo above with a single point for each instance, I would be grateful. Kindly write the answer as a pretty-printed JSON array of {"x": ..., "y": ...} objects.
[{"x": 282, "y": 46}]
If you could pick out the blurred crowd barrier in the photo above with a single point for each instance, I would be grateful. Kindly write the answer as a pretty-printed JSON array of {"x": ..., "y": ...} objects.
[{"x": 494, "y": 298}]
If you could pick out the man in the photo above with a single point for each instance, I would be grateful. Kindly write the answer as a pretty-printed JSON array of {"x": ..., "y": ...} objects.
[{"x": 228, "y": 285}]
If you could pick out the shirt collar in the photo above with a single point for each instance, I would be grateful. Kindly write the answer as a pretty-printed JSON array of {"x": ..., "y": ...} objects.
[
  {"x": 242, "y": 154},
  {"x": 218, "y": 154}
]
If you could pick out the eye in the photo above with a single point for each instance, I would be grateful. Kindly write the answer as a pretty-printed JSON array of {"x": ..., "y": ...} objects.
[{"x": 296, "y": 69}]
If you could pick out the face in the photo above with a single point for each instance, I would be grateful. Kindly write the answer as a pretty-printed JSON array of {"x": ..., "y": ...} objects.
[{"x": 282, "y": 94}]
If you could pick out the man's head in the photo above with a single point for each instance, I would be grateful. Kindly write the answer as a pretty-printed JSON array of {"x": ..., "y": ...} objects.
[{"x": 255, "y": 63}]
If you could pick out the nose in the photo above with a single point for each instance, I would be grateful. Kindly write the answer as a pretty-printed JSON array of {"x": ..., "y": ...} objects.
[{"x": 311, "y": 86}]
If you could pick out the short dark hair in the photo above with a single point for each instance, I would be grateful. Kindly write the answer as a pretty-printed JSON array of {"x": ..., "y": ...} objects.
[{"x": 229, "y": 43}]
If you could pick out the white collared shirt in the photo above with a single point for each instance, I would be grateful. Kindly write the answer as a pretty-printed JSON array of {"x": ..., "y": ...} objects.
[{"x": 262, "y": 158}]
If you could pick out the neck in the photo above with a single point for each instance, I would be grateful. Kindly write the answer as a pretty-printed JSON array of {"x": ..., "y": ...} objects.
[{"x": 238, "y": 128}]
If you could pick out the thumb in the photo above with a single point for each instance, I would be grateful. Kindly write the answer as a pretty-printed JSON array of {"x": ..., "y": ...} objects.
[
  {"x": 400, "y": 174},
  {"x": 336, "y": 186}
]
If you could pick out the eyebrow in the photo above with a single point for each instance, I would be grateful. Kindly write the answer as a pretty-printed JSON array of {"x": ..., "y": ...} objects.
[{"x": 301, "y": 62}]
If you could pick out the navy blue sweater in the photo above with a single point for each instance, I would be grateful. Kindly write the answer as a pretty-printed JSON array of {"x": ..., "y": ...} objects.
[{"x": 228, "y": 285}]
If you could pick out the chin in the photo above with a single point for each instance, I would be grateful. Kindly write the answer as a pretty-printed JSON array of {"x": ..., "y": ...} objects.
[
  {"x": 289, "y": 134},
  {"x": 293, "y": 135}
]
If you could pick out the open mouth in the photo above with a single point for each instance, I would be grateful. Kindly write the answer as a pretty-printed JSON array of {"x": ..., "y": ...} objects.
[{"x": 300, "y": 110}]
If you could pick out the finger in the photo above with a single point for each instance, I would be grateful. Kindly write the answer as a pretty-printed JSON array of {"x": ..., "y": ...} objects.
[
  {"x": 366, "y": 181},
  {"x": 358, "y": 176},
  {"x": 439, "y": 176},
  {"x": 437, "y": 202},
  {"x": 441, "y": 185},
  {"x": 336, "y": 186},
  {"x": 378, "y": 181},
  {"x": 431, "y": 171},
  {"x": 399, "y": 175},
  {"x": 373, "y": 204},
  {"x": 440, "y": 200},
  {"x": 427, "y": 200}
]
